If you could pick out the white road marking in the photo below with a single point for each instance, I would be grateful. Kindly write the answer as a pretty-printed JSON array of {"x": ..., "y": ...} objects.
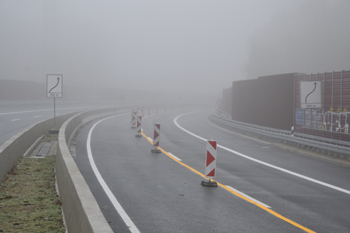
[
  {"x": 174, "y": 156},
  {"x": 42, "y": 110},
  {"x": 264, "y": 163},
  {"x": 241, "y": 135},
  {"x": 37, "y": 116},
  {"x": 15, "y": 119},
  {"x": 150, "y": 139},
  {"x": 249, "y": 197},
  {"x": 9, "y": 113},
  {"x": 105, "y": 187}
]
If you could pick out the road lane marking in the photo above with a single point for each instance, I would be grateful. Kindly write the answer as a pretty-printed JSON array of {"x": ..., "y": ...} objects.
[
  {"x": 168, "y": 153},
  {"x": 37, "y": 116},
  {"x": 264, "y": 163},
  {"x": 174, "y": 156},
  {"x": 105, "y": 187},
  {"x": 15, "y": 119},
  {"x": 42, "y": 110},
  {"x": 240, "y": 135},
  {"x": 249, "y": 197},
  {"x": 9, "y": 113},
  {"x": 238, "y": 194}
]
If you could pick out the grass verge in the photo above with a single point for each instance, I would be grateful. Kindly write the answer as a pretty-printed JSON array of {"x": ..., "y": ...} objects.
[{"x": 28, "y": 198}]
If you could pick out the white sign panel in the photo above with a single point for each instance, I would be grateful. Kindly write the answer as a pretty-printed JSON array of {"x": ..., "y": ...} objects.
[
  {"x": 54, "y": 84},
  {"x": 310, "y": 94}
]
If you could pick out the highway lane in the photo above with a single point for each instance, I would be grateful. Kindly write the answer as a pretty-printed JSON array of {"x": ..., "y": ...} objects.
[
  {"x": 160, "y": 195},
  {"x": 17, "y": 115}
]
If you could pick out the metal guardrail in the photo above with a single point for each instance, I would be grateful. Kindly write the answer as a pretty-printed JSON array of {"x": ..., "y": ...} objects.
[
  {"x": 258, "y": 127},
  {"x": 304, "y": 141},
  {"x": 323, "y": 139}
]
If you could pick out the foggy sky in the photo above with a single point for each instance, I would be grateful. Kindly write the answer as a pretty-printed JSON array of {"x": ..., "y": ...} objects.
[
  {"x": 311, "y": 37},
  {"x": 190, "y": 46}
]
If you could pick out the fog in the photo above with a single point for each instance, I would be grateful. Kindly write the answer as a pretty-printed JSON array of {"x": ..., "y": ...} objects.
[
  {"x": 310, "y": 37},
  {"x": 196, "y": 46}
]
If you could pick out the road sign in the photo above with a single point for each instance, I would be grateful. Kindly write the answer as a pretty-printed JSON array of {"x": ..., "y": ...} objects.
[
  {"x": 156, "y": 138},
  {"x": 133, "y": 119},
  {"x": 54, "y": 84},
  {"x": 210, "y": 162},
  {"x": 139, "y": 126},
  {"x": 310, "y": 94}
]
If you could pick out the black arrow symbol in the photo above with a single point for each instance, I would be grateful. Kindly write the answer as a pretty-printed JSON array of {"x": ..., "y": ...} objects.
[
  {"x": 58, "y": 81},
  {"x": 311, "y": 92}
]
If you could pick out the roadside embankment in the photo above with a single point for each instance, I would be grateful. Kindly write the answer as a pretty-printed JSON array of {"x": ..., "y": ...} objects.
[
  {"x": 80, "y": 209},
  {"x": 24, "y": 142}
]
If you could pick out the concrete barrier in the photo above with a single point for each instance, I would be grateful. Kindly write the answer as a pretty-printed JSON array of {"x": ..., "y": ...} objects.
[
  {"x": 18, "y": 145},
  {"x": 81, "y": 211}
]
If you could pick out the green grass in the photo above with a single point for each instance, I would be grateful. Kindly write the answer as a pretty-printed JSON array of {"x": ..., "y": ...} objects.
[{"x": 28, "y": 198}]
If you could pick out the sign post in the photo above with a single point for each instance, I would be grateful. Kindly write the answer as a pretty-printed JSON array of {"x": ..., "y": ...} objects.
[{"x": 54, "y": 88}]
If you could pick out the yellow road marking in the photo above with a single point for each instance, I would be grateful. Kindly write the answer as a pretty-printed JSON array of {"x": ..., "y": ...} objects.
[{"x": 235, "y": 193}]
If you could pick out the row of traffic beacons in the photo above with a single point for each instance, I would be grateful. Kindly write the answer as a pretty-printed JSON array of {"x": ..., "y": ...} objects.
[{"x": 211, "y": 148}]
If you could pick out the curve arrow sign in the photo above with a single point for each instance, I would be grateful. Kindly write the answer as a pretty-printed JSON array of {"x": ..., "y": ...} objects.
[
  {"x": 58, "y": 81},
  {"x": 310, "y": 94},
  {"x": 54, "y": 85},
  {"x": 315, "y": 85}
]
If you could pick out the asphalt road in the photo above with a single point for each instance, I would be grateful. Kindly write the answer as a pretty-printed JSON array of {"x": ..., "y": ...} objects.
[
  {"x": 18, "y": 115},
  {"x": 275, "y": 190}
]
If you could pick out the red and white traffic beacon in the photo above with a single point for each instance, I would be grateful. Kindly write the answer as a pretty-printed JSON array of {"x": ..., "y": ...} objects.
[
  {"x": 139, "y": 125},
  {"x": 133, "y": 119},
  {"x": 156, "y": 138},
  {"x": 210, "y": 164}
]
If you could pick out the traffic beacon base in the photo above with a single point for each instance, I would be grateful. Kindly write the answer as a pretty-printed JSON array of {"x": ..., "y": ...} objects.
[
  {"x": 156, "y": 150},
  {"x": 209, "y": 183}
]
